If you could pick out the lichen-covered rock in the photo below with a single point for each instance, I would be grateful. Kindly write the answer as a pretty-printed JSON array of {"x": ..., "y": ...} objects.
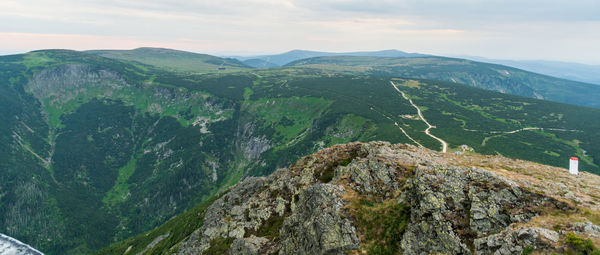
[
  {"x": 317, "y": 225},
  {"x": 586, "y": 227},
  {"x": 248, "y": 246},
  {"x": 514, "y": 241},
  {"x": 438, "y": 210}
]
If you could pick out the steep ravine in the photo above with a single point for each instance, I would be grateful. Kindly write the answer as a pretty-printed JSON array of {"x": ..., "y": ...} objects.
[{"x": 389, "y": 199}]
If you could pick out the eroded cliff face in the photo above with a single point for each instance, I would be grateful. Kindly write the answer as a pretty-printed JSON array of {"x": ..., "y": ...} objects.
[{"x": 382, "y": 198}]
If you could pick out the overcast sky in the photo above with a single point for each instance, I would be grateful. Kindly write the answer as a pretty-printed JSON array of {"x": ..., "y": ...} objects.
[{"x": 567, "y": 30}]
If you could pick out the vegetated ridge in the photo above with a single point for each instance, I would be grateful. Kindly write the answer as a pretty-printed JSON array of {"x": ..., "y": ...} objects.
[
  {"x": 481, "y": 75},
  {"x": 566, "y": 70},
  {"x": 378, "y": 198},
  {"x": 174, "y": 60},
  {"x": 293, "y": 55}
]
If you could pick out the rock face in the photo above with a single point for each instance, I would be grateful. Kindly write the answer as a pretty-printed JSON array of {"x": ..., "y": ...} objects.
[
  {"x": 514, "y": 241},
  {"x": 318, "y": 206},
  {"x": 317, "y": 224},
  {"x": 11, "y": 246},
  {"x": 60, "y": 79}
]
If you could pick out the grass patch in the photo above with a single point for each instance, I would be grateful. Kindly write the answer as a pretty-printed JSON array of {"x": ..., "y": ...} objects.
[
  {"x": 411, "y": 84},
  {"x": 119, "y": 191},
  {"x": 219, "y": 245},
  {"x": 579, "y": 245},
  {"x": 593, "y": 216},
  {"x": 299, "y": 112},
  {"x": 348, "y": 128},
  {"x": 270, "y": 228},
  {"x": 527, "y": 251},
  {"x": 381, "y": 225}
]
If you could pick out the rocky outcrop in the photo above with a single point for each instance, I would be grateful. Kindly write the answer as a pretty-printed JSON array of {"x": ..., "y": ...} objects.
[
  {"x": 252, "y": 146},
  {"x": 514, "y": 241},
  {"x": 317, "y": 224},
  {"x": 318, "y": 206},
  {"x": 248, "y": 246},
  {"x": 11, "y": 246},
  {"x": 65, "y": 81}
]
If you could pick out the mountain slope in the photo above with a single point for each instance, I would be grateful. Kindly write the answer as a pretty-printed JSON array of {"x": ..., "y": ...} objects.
[
  {"x": 481, "y": 75},
  {"x": 174, "y": 60},
  {"x": 565, "y": 70},
  {"x": 290, "y": 56},
  {"x": 95, "y": 150},
  {"x": 259, "y": 63},
  {"x": 389, "y": 199}
]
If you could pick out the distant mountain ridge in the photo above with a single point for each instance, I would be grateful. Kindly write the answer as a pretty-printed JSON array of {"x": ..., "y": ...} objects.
[
  {"x": 293, "y": 55},
  {"x": 565, "y": 70},
  {"x": 174, "y": 60}
]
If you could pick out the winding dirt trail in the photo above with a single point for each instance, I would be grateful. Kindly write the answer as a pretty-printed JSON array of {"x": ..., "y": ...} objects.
[
  {"x": 499, "y": 133},
  {"x": 429, "y": 126},
  {"x": 398, "y": 126}
]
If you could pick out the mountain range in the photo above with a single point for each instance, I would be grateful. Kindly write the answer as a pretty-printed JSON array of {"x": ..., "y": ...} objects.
[
  {"x": 293, "y": 55},
  {"x": 100, "y": 146},
  {"x": 566, "y": 70}
]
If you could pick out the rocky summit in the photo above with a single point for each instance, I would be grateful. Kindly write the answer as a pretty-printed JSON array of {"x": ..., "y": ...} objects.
[{"x": 378, "y": 198}]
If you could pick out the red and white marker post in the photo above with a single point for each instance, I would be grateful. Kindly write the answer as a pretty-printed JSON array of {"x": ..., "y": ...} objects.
[{"x": 574, "y": 166}]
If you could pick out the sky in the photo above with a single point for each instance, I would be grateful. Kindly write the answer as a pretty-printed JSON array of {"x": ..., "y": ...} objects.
[{"x": 562, "y": 30}]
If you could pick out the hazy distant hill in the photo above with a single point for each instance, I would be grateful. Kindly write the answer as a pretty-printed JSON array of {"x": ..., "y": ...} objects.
[
  {"x": 174, "y": 60},
  {"x": 287, "y": 57},
  {"x": 259, "y": 63},
  {"x": 477, "y": 74},
  {"x": 565, "y": 70}
]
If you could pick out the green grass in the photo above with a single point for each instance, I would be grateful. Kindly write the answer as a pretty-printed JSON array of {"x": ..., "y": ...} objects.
[
  {"x": 580, "y": 245},
  {"x": 270, "y": 228},
  {"x": 118, "y": 192},
  {"x": 289, "y": 117},
  {"x": 218, "y": 246},
  {"x": 349, "y": 128},
  {"x": 247, "y": 93},
  {"x": 527, "y": 251},
  {"x": 64, "y": 101},
  {"x": 35, "y": 59}
]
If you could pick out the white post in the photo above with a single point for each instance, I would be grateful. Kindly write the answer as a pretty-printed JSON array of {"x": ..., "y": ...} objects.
[{"x": 573, "y": 166}]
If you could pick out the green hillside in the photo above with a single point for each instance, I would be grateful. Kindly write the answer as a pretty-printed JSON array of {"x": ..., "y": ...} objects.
[
  {"x": 480, "y": 75},
  {"x": 175, "y": 60},
  {"x": 95, "y": 150}
]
